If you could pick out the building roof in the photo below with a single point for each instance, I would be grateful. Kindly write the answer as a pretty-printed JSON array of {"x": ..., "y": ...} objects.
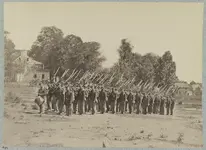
[
  {"x": 17, "y": 53},
  {"x": 182, "y": 85},
  {"x": 32, "y": 61}
]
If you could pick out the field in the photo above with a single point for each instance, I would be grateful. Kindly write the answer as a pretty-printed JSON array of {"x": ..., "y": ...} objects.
[{"x": 23, "y": 126}]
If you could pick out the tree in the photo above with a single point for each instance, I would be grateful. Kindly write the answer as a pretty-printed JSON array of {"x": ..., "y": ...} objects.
[
  {"x": 192, "y": 82},
  {"x": 165, "y": 72},
  {"x": 9, "y": 48},
  {"x": 11, "y": 68},
  {"x": 69, "y": 52},
  {"x": 45, "y": 48}
]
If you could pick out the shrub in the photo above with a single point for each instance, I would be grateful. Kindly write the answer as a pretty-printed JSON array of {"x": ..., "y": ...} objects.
[{"x": 12, "y": 98}]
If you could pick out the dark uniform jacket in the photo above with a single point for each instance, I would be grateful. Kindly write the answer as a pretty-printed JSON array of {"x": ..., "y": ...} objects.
[
  {"x": 113, "y": 96},
  {"x": 69, "y": 97},
  {"x": 92, "y": 95},
  {"x": 130, "y": 98},
  {"x": 102, "y": 95},
  {"x": 122, "y": 97},
  {"x": 81, "y": 95}
]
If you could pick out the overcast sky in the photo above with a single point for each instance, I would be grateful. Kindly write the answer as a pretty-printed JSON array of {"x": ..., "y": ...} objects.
[{"x": 151, "y": 27}]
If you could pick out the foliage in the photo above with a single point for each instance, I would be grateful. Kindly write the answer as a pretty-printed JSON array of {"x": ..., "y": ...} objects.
[
  {"x": 45, "y": 48},
  {"x": 70, "y": 52},
  {"x": 149, "y": 67},
  {"x": 12, "y": 98},
  {"x": 9, "y": 49}
]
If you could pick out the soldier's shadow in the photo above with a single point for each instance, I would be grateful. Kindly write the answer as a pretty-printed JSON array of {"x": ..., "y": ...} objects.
[{"x": 29, "y": 112}]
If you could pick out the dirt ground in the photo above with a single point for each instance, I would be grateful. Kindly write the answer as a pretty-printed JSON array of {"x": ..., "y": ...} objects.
[{"x": 23, "y": 126}]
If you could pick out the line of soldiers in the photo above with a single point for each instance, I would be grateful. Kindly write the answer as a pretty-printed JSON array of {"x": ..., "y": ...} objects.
[{"x": 83, "y": 99}]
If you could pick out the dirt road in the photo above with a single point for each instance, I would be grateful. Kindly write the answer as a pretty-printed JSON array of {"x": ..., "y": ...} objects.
[{"x": 25, "y": 127}]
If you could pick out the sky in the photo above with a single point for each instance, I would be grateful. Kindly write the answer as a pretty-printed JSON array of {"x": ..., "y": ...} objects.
[{"x": 150, "y": 27}]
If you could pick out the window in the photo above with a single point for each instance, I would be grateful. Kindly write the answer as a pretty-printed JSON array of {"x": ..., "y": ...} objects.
[
  {"x": 42, "y": 76},
  {"x": 35, "y": 76}
]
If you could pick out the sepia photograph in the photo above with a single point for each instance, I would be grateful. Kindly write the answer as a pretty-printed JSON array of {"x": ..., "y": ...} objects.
[{"x": 103, "y": 74}]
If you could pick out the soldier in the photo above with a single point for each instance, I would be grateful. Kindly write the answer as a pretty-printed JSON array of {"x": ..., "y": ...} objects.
[
  {"x": 126, "y": 102},
  {"x": 55, "y": 96},
  {"x": 42, "y": 92},
  {"x": 130, "y": 101},
  {"x": 162, "y": 105},
  {"x": 150, "y": 99},
  {"x": 144, "y": 104},
  {"x": 168, "y": 105},
  {"x": 122, "y": 100},
  {"x": 81, "y": 99},
  {"x": 155, "y": 105},
  {"x": 172, "y": 105},
  {"x": 75, "y": 101},
  {"x": 86, "y": 104},
  {"x": 102, "y": 100},
  {"x": 108, "y": 102},
  {"x": 49, "y": 96},
  {"x": 61, "y": 97},
  {"x": 118, "y": 105},
  {"x": 137, "y": 102},
  {"x": 158, "y": 104},
  {"x": 113, "y": 97},
  {"x": 69, "y": 98},
  {"x": 92, "y": 98}
]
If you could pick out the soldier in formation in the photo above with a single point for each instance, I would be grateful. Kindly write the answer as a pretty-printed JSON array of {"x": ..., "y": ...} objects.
[{"x": 83, "y": 99}]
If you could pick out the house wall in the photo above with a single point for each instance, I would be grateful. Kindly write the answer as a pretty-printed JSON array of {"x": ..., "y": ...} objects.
[
  {"x": 185, "y": 91},
  {"x": 32, "y": 75}
]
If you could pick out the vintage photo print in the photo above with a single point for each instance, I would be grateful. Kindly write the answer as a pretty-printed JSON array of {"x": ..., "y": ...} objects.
[{"x": 103, "y": 74}]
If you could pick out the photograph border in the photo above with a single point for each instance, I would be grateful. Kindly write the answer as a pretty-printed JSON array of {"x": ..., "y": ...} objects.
[{"x": 55, "y": 148}]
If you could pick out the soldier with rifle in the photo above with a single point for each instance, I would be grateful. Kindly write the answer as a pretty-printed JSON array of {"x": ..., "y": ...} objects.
[
  {"x": 61, "y": 97},
  {"x": 144, "y": 104},
  {"x": 81, "y": 99},
  {"x": 150, "y": 99},
  {"x": 69, "y": 98},
  {"x": 168, "y": 103},
  {"x": 138, "y": 99},
  {"x": 102, "y": 100},
  {"x": 122, "y": 100},
  {"x": 92, "y": 99},
  {"x": 172, "y": 104},
  {"x": 113, "y": 98},
  {"x": 130, "y": 101}
]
